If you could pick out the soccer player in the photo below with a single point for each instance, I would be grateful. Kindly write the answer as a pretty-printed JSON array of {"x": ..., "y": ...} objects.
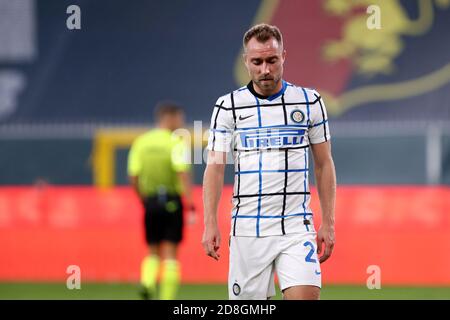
[
  {"x": 269, "y": 126},
  {"x": 159, "y": 172}
]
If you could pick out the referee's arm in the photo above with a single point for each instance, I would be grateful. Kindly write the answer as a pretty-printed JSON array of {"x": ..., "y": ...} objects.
[
  {"x": 212, "y": 189},
  {"x": 134, "y": 182},
  {"x": 134, "y": 167}
]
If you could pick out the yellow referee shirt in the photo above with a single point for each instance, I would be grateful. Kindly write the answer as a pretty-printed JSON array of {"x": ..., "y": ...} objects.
[{"x": 156, "y": 157}]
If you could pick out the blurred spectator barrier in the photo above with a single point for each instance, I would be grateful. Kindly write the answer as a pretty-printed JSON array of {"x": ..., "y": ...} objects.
[{"x": 403, "y": 230}]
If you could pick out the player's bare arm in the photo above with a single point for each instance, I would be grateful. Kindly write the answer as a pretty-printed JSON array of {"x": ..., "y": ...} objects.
[
  {"x": 212, "y": 189},
  {"x": 325, "y": 175}
]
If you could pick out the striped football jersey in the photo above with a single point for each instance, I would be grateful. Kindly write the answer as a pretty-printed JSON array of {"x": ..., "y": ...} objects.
[{"x": 269, "y": 138}]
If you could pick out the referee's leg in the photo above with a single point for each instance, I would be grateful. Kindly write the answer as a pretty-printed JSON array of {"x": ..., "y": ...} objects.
[{"x": 172, "y": 236}]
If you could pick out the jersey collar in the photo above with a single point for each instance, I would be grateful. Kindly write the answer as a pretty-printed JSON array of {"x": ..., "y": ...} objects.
[{"x": 270, "y": 98}]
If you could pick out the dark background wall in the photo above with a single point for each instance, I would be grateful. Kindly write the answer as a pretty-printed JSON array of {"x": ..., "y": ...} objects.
[{"x": 130, "y": 54}]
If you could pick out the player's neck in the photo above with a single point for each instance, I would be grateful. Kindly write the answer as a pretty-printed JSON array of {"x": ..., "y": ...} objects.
[{"x": 265, "y": 94}]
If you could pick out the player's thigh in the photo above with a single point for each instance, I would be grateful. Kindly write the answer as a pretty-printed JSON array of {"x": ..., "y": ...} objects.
[
  {"x": 298, "y": 264},
  {"x": 302, "y": 293},
  {"x": 251, "y": 268}
]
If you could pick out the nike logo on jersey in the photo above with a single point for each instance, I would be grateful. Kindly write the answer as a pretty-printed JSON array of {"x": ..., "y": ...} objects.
[
  {"x": 243, "y": 118},
  {"x": 317, "y": 272}
]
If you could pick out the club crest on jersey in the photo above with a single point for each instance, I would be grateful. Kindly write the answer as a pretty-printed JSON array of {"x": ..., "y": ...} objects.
[
  {"x": 297, "y": 116},
  {"x": 236, "y": 289}
]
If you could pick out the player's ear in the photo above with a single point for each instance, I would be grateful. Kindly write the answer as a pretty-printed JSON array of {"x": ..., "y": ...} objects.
[
  {"x": 244, "y": 58},
  {"x": 283, "y": 55}
]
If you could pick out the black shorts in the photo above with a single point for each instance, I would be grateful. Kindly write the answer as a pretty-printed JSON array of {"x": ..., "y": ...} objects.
[{"x": 163, "y": 219}]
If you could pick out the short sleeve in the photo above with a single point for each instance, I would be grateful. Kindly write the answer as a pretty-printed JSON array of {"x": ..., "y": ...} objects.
[
  {"x": 180, "y": 156},
  {"x": 319, "y": 130},
  {"x": 134, "y": 160},
  {"x": 221, "y": 128}
]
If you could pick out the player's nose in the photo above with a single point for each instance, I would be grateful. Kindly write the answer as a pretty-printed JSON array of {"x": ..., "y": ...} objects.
[{"x": 265, "y": 69}]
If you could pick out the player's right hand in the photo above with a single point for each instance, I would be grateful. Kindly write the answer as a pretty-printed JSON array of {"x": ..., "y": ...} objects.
[{"x": 211, "y": 241}]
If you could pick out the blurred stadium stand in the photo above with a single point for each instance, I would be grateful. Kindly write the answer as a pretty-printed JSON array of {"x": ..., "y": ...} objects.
[
  {"x": 369, "y": 153},
  {"x": 56, "y": 83},
  {"x": 60, "y": 88}
]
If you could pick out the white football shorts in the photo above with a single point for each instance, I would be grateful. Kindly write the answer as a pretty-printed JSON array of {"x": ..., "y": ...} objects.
[{"x": 253, "y": 262}]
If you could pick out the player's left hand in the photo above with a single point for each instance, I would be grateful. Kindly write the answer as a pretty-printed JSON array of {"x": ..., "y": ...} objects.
[{"x": 325, "y": 236}]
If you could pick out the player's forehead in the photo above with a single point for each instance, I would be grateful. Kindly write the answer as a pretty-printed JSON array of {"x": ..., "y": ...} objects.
[{"x": 257, "y": 49}]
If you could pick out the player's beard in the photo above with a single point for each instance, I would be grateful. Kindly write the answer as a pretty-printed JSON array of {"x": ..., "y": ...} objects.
[{"x": 268, "y": 86}]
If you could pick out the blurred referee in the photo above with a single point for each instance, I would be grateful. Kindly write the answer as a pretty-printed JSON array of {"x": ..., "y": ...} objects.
[{"x": 159, "y": 172}]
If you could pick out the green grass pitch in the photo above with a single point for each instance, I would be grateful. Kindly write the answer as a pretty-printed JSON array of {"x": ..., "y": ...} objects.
[{"x": 129, "y": 291}]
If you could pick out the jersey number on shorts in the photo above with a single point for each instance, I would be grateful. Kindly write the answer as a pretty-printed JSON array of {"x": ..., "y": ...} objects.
[{"x": 308, "y": 257}]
